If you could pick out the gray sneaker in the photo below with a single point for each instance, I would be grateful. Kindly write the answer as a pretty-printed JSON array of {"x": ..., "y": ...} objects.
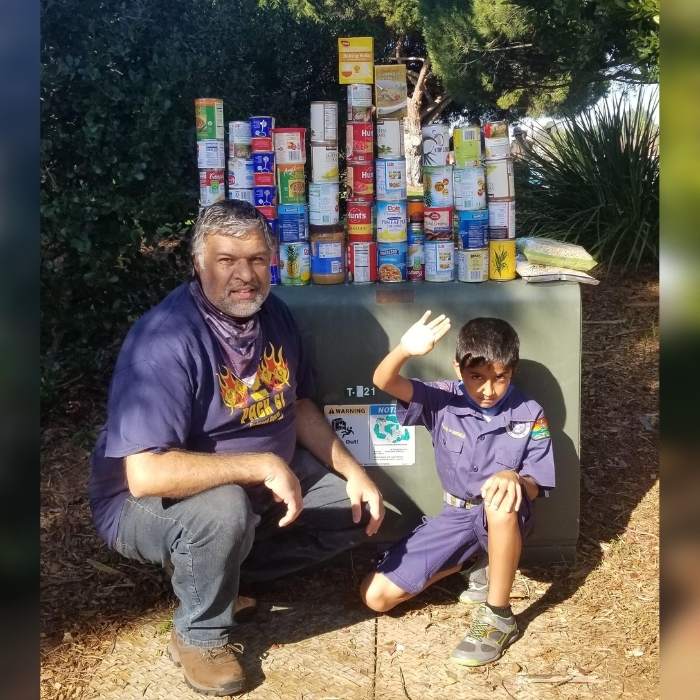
[
  {"x": 487, "y": 638},
  {"x": 477, "y": 582}
]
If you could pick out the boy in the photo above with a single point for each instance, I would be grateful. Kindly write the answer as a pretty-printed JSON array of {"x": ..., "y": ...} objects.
[{"x": 493, "y": 455}]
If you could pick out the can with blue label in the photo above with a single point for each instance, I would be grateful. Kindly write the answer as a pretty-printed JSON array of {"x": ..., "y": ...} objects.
[
  {"x": 261, "y": 126},
  {"x": 275, "y": 264},
  {"x": 265, "y": 196},
  {"x": 264, "y": 168},
  {"x": 473, "y": 228},
  {"x": 439, "y": 261},
  {"x": 293, "y": 222},
  {"x": 391, "y": 262},
  {"x": 415, "y": 233},
  {"x": 328, "y": 258},
  {"x": 391, "y": 179}
]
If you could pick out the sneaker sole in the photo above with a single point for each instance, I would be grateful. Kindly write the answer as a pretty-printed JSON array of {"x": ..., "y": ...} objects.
[
  {"x": 466, "y": 600},
  {"x": 231, "y": 689},
  {"x": 474, "y": 662}
]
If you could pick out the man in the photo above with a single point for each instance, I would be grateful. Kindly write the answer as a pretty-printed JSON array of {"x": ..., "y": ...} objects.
[{"x": 197, "y": 467}]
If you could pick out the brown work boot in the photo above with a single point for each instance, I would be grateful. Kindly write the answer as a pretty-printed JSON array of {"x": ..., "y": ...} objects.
[{"x": 210, "y": 671}]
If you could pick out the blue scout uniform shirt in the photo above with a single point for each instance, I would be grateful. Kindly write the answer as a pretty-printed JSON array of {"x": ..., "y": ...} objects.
[
  {"x": 468, "y": 447},
  {"x": 171, "y": 389}
]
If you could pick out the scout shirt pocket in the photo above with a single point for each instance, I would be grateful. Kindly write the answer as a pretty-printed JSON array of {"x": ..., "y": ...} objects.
[
  {"x": 448, "y": 452},
  {"x": 505, "y": 459}
]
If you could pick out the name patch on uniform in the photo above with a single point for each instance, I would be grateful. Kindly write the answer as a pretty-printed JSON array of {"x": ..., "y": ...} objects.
[
  {"x": 518, "y": 429},
  {"x": 453, "y": 432},
  {"x": 540, "y": 429}
]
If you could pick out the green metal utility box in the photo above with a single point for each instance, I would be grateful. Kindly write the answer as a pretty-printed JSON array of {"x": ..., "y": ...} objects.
[{"x": 349, "y": 328}]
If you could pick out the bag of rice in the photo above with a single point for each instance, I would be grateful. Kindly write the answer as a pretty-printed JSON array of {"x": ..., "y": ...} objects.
[
  {"x": 532, "y": 272},
  {"x": 547, "y": 251}
]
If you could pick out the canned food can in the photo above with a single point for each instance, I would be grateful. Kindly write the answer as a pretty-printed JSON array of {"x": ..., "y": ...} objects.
[
  {"x": 469, "y": 186},
  {"x": 502, "y": 260},
  {"x": 501, "y": 222},
  {"x": 496, "y": 140},
  {"x": 240, "y": 173},
  {"x": 473, "y": 228},
  {"x": 269, "y": 212},
  {"x": 239, "y": 132},
  {"x": 211, "y": 187},
  {"x": 415, "y": 261},
  {"x": 415, "y": 209},
  {"x": 390, "y": 139},
  {"x": 245, "y": 194},
  {"x": 292, "y": 222},
  {"x": 211, "y": 154},
  {"x": 437, "y": 223},
  {"x": 261, "y": 144},
  {"x": 359, "y": 103},
  {"x": 274, "y": 226},
  {"x": 327, "y": 258},
  {"x": 289, "y": 145},
  {"x": 264, "y": 168},
  {"x": 362, "y": 262},
  {"x": 295, "y": 263},
  {"x": 324, "y": 122},
  {"x": 261, "y": 126},
  {"x": 239, "y": 150},
  {"x": 360, "y": 180},
  {"x": 291, "y": 184},
  {"x": 467, "y": 146},
  {"x": 391, "y": 180},
  {"x": 391, "y": 262},
  {"x": 500, "y": 183},
  {"x": 323, "y": 203},
  {"x": 436, "y": 144},
  {"x": 360, "y": 141},
  {"x": 275, "y": 266},
  {"x": 324, "y": 163},
  {"x": 439, "y": 261},
  {"x": 391, "y": 222},
  {"x": 415, "y": 232},
  {"x": 359, "y": 214},
  {"x": 473, "y": 265},
  {"x": 437, "y": 186},
  {"x": 209, "y": 118}
]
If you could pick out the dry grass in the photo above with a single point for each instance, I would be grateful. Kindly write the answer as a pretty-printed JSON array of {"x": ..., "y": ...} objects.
[{"x": 601, "y": 617}]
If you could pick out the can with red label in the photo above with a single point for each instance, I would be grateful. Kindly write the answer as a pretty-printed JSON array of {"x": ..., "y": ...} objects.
[
  {"x": 259, "y": 144},
  {"x": 360, "y": 179},
  {"x": 360, "y": 141},
  {"x": 362, "y": 262},
  {"x": 437, "y": 223},
  {"x": 211, "y": 187},
  {"x": 359, "y": 213},
  {"x": 289, "y": 145},
  {"x": 268, "y": 212}
]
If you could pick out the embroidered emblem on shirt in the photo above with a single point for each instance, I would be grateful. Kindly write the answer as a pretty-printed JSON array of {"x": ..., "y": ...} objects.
[
  {"x": 540, "y": 429},
  {"x": 451, "y": 431},
  {"x": 518, "y": 429}
]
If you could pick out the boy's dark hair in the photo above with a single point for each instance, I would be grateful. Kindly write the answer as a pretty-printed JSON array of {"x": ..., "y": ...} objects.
[{"x": 487, "y": 340}]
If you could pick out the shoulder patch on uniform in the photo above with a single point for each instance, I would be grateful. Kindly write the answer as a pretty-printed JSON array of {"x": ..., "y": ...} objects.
[
  {"x": 518, "y": 428},
  {"x": 540, "y": 429}
]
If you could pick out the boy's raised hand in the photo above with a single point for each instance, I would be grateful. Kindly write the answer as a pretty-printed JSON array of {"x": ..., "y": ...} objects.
[{"x": 421, "y": 337}]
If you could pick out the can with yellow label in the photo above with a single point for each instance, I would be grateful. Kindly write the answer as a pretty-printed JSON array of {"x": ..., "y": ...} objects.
[{"x": 502, "y": 259}]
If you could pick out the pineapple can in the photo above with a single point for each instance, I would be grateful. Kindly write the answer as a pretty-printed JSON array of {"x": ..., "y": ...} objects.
[
  {"x": 467, "y": 146},
  {"x": 362, "y": 262},
  {"x": 502, "y": 260},
  {"x": 294, "y": 263},
  {"x": 473, "y": 265},
  {"x": 209, "y": 119}
]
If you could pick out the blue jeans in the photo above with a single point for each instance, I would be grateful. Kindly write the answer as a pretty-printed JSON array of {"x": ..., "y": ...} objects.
[{"x": 217, "y": 537}]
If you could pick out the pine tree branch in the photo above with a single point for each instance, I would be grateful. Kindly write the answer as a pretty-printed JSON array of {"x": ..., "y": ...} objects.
[{"x": 435, "y": 110}]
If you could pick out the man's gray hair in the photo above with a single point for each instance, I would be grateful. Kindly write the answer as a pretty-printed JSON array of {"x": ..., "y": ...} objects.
[{"x": 230, "y": 217}]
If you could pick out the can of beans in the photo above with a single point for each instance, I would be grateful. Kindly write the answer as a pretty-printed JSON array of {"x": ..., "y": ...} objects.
[
  {"x": 240, "y": 173},
  {"x": 391, "y": 222},
  {"x": 496, "y": 140},
  {"x": 500, "y": 183},
  {"x": 323, "y": 203},
  {"x": 359, "y": 103},
  {"x": 437, "y": 223},
  {"x": 295, "y": 263},
  {"x": 502, "y": 260},
  {"x": 292, "y": 222},
  {"x": 467, "y": 146},
  {"x": 362, "y": 262},
  {"x": 415, "y": 260},
  {"x": 390, "y": 139},
  {"x": 209, "y": 118},
  {"x": 264, "y": 168},
  {"x": 436, "y": 144},
  {"x": 391, "y": 180},
  {"x": 469, "y": 186},
  {"x": 261, "y": 126},
  {"x": 212, "y": 187},
  {"x": 473, "y": 265},
  {"x": 437, "y": 186},
  {"x": 359, "y": 214},
  {"x": 324, "y": 122},
  {"x": 289, "y": 145},
  {"x": 473, "y": 228},
  {"x": 291, "y": 184},
  {"x": 211, "y": 154},
  {"x": 439, "y": 261},
  {"x": 324, "y": 163},
  {"x": 360, "y": 179},
  {"x": 244, "y": 194},
  {"x": 501, "y": 219},
  {"x": 391, "y": 262},
  {"x": 360, "y": 141}
]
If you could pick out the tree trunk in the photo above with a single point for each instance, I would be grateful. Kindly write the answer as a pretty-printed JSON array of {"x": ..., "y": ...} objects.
[{"x": 412, "y": 130}]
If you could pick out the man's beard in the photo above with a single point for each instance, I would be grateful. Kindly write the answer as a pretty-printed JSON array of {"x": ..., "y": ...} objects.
[{"x": 241, "y": 309}]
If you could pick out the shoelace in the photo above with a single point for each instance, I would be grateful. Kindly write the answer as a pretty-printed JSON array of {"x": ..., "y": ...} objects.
[
  {"x": 226, "y": 648},
  {"x": 478, "y": 629}
]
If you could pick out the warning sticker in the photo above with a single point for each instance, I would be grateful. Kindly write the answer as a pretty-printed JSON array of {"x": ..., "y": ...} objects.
[{"x": 373, "y": 434}]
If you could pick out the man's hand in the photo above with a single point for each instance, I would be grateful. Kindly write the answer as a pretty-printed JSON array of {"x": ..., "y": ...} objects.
[
  {"x": 285, "y": 488},
  {"x": 361, "y": 489},
  {"x": 421, "y": 337},
  {"x": 503, "y": 492}
]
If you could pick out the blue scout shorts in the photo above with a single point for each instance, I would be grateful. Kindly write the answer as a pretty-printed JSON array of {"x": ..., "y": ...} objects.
[{"x": 443, "y": 541}]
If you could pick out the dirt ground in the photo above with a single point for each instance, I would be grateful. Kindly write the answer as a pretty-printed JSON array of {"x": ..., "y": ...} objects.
[{"x": 591, "y": 630}]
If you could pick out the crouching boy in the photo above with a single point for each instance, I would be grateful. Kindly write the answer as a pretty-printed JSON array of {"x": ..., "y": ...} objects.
[{"x": 493, "y": 455}]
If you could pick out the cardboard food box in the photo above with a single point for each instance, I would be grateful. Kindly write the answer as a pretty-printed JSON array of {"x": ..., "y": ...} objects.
[
  {"x": 356, "y": 60},
  {"x": 390, "y": 91}
]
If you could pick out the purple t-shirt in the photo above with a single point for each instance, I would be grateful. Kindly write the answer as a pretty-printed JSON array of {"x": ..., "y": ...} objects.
[
  {"x": 471, "y": 446},
  {"x": 171, "y": 389}
]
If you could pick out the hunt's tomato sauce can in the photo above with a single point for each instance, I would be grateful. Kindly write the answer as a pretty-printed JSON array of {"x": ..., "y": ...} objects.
[
  {"x": 359, "y": 213},
  {"x": 360, "y": 141},
  {"x": 362, "y": 262},
  {"x": 360, "y": 179}
]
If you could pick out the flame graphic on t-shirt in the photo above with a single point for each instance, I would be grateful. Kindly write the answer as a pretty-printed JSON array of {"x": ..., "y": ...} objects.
[
  {"x": 234, "y": 392},
  {"x": 273, "y": 371}
]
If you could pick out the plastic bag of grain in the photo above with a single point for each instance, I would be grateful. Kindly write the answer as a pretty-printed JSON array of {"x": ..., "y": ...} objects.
[
  {"x": 532, "y": 272},
  {"x": 547, "y": 251}
]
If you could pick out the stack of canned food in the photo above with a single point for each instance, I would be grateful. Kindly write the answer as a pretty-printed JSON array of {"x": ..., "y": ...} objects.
[
  {"x": 326, "y": 232},
  {"x": 209, "y": 122}
]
